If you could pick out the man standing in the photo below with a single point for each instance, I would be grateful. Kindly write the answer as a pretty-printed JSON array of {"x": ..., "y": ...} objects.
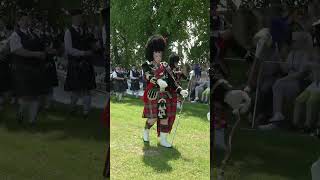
[
  {"x": 161, "y": 85},
  {"x": 28, "y": 68},
  {"x": 80, "y": 73},
  {"x": 135, "y": 81}
]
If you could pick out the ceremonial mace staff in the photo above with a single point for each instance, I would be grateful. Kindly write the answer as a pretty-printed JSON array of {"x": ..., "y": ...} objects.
[
  {"x": 178, "y": 119},
  {"x": 169, "y": 71},
  {"x": 229, "y": 149}
]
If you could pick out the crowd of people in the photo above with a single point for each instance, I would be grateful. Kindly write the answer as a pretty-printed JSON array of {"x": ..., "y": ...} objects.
[
  {"x": 29, "y": 55},
  {"x": 283, "y": 67},
  {"x": 198, "y": 82}
]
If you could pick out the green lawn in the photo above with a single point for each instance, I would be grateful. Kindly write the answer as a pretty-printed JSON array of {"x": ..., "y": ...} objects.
[
  {"x": 274, "y": 155},
  {"x": 60, "y": 147},
  {"x": 132, "y": 159}
]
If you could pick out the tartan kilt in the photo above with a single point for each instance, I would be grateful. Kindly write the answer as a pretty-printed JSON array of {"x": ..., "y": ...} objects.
[
  {"x": 173, "y": 112},
  {"x": 80, "y": 75},
  {"x": 172, "y": 118},
  {"x": 51, "y": 73},
  {"x": 151, "y": 106},
  {"x": 219, "y": 116}
]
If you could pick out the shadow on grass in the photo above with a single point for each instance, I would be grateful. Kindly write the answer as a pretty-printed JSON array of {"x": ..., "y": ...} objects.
[
  {"x": 158, "y": 157},
  {"x": 59, "y": 119},
  {"x": 189, "y": 109},
  {"x": 274, "y": 154}
]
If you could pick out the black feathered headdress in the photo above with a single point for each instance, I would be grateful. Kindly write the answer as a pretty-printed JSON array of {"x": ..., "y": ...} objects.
[
  {"x": 155, "y": 43},
  {"x": 174, "y": 58}
]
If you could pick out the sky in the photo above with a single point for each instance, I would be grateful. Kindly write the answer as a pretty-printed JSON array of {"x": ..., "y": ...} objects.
[{"x": 190, "y": 42}]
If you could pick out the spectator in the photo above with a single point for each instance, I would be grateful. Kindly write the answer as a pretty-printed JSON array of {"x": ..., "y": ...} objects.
[
  {"x": 203, "y": 83},
  {"x": 291, "y": 85},
  {"x": 119, "y": 83},
  {"x": 266, "y": 72},
  {"x": 135, "y": 83}
]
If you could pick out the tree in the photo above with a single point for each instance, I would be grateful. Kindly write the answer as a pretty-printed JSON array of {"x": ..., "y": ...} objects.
[{"x": 133, "y": 22}]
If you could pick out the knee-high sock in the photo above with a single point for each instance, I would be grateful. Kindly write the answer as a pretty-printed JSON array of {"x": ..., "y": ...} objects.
[
  {"x": 86, "y": 104},
  {"x": 74, "y": 99},
  {"x": 148, "y": 124},
  {"x": 33, "y": 110}
]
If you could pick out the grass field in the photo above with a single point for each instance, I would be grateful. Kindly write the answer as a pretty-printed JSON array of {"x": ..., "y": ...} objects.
[
  {"x": 274, "y": 155},
  {"x": 132, "y": 159},
  {"x": 61, "y": 147}
]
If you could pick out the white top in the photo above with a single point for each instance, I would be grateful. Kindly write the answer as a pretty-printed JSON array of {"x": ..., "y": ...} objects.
[
  {"x": 114, "y": 74},
  {"x": 68, "y": 43},
  {"x": 191, "y": 74},
  {"x": 15, "y": 40}
]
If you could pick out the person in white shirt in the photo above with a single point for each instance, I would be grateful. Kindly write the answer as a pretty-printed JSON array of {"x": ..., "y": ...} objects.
[
  {"x": 80, "y": 78},
  {"x": 28, "y": 59},
  {"x": 135, "y": 81},
  {"x": 119, "y": 83}
]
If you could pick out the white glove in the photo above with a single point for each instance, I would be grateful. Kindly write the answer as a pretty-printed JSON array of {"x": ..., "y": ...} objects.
[
  {"x": 247, "y": 89},
  {"x": 162, "y": 84},
  {"x": 238, "y": 100},
  {"x": 208, "y": 116},
  {"x": 184, "y": 93}
]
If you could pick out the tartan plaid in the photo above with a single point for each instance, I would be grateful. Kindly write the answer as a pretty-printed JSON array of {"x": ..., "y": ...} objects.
[
  {"x": 219, "y": 118},
  {"x": 171, "y": 117}
]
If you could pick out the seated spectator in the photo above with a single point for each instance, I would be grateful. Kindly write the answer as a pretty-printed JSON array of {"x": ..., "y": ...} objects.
[
  {"x": 201, "y": 85},
  {"x": 192, "y": 84},
  {"x": 205, "y": 94},
  {"x": 308, "y": 102},
  {"x": 291, "y": 85},
  {"x": 265, "y": 71}
]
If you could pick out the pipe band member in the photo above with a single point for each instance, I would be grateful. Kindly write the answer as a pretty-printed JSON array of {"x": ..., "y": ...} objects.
[{"x": 158, "y": 95}]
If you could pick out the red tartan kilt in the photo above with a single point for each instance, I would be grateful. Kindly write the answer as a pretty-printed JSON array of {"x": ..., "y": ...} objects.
[
  {"x": 219, "y": 117},
  {"x": 173, "y": 110},
  {"x": 151, "y": 108}
]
